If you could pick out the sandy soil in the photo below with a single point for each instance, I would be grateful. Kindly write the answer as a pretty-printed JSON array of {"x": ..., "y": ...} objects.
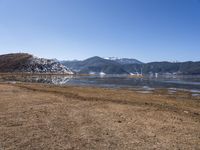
[{"x": 38, "y": 116}]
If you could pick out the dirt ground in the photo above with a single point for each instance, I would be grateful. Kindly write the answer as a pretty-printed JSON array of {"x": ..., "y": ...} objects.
[{"x": 39, "y": 116}]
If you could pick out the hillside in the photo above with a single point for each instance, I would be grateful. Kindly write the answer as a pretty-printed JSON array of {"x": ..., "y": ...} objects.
[
  {"x": 186, "y": 68},
  {"x": 183, "y": 68},
  {"x": 23, "y": 62},
  {"x": 95, "y": 65}
]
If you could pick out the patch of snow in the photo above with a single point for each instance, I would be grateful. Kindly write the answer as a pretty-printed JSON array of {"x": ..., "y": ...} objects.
[
  {"x": 145, "y": 92},
  {"x": 92, "y": 73},
  {"x": 102, "y": 74},
  {"x": 195, "y": 94}
]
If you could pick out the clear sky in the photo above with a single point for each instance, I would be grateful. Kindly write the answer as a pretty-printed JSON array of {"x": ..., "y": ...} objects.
[{"x": 148, "y": 30}]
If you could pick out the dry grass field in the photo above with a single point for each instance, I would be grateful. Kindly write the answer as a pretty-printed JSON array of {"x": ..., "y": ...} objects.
[{"x": 39, "y": 116}]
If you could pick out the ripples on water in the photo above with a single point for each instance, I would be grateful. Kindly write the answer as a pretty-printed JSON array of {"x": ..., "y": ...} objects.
[{"x": 143, "y": 85}]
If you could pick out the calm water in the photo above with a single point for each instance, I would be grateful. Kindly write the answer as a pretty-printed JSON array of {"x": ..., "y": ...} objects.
[{"x": 191, "y": 83}]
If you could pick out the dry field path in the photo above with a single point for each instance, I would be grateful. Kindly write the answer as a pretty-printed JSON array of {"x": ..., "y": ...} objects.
[{"x": 39, "y": 116}]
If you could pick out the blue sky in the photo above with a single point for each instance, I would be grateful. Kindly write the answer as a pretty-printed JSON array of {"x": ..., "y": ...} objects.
[{"x": 148, "y": 30}]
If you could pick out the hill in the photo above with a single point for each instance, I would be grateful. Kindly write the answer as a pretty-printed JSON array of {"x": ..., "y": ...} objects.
[
  {"x": 95, "y": 65},
  {"x": 23, "y": 62},
  {"x": 183, "y": 68}
]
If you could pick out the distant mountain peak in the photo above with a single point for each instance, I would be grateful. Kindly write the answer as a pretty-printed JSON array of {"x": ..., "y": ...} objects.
[
  {"x": 94, "y": 58},
  {"x": 125, "y": 60},
  {"x": 111, "y": 58},
  {"x": 96, "y": 65}
]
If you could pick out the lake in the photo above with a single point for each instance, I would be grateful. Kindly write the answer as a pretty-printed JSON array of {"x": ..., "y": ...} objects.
[{"x": 145, "y": 84}]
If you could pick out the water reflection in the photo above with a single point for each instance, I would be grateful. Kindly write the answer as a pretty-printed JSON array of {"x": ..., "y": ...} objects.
[
  {"x": 147, "y": 83},
  {"x": 49, "y": 79}
]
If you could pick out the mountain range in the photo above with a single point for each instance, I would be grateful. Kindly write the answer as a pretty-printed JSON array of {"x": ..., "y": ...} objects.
[
  {"x": 23, "y": 62},
  {"x": 96, "y": 65}
]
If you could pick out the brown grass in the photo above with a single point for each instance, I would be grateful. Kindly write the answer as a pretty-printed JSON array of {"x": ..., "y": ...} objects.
[
  {"x": 39, "y": 116},
  {"x": 13, "y": 62}
]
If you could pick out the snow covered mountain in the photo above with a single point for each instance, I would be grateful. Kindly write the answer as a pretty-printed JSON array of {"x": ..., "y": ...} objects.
[
  {"x": 124, "y": 60},
  {"x": 23, "y": 62}
]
